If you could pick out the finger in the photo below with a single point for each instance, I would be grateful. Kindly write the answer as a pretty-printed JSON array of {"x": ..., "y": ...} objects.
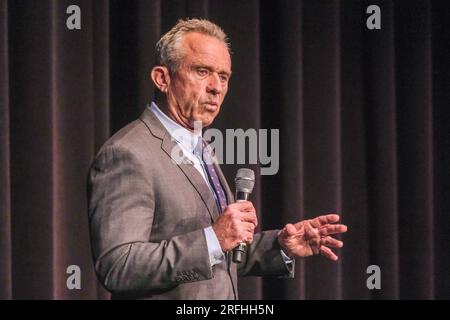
[
  {"x": 247, "y": 237},
  {"x": 244, "y": 206},
  {"x": 325, "y": 251},
  {"x": 314, "y": 238},
  {"x": 319, "y": 221},
  {"x": 324, "y": 219},
  {"x": 248, "y": 217},
  {"x": 332, "y": 229},
  {"x": 331, "y": 242},
  {"x": 248, "y": 227},
  {"x": 311, "y": 232}
]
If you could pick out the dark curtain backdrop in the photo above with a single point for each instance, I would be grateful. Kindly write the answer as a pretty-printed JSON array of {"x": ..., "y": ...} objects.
[{"x": 364, "y": 119}]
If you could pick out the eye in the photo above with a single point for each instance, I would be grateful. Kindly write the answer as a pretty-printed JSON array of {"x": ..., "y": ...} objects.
[
  {"x": 202, "y": 72},
  {"x": 223, "y": 78}
]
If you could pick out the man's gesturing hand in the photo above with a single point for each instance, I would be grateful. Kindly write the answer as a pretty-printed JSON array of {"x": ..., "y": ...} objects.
[
  {"x": 237, "y": 224},
  {"x": 311, "y": 237}
]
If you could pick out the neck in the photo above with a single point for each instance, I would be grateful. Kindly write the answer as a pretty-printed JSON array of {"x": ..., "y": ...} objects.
[{"x": 172, "y": 114}]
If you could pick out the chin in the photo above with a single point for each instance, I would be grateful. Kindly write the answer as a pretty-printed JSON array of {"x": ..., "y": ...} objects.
[
  {"x": 207, "y": 123},
  {"x": 206, "y": 120}
]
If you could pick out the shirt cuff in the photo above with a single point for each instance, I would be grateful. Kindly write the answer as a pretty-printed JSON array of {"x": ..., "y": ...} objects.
[
  {"x": 216, "y": 255},
  {"x": 286, "y": 258},
  {"x": 289, "y": 262}
]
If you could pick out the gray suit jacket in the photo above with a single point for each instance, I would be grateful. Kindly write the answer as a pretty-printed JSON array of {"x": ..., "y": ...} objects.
[{"x": 147, "y": 215}]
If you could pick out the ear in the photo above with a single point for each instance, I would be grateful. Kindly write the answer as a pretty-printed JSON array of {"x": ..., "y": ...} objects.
[{"x": 161, "y": 78}]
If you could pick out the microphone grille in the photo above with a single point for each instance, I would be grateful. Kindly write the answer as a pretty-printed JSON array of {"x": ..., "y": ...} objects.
[{"x": 245, "y": 180}]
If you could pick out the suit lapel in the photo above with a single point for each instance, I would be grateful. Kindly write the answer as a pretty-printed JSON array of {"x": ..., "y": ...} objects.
[
  {"x": 197, "y": 181},
  {"x": 172, "y": 149}
]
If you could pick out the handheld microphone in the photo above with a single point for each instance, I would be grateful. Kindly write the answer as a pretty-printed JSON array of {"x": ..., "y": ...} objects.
[{"x": 244, "y": 181}]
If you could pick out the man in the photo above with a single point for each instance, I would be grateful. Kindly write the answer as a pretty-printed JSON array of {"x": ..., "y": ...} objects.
[{"x": 162, "y": 228}]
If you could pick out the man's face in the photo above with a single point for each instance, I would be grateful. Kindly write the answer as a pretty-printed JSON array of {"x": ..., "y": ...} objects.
[{"x": 196, "y": 91}]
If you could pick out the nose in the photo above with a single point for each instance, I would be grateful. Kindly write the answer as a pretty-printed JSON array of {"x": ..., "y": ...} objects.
[{"x": 214, "y": 85}]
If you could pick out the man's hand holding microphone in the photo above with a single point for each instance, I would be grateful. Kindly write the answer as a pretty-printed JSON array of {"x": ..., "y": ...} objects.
[{"x": 236, "y": 225}]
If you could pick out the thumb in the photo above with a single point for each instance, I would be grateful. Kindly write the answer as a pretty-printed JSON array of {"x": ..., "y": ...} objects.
[{"x": 290, "y": 229}]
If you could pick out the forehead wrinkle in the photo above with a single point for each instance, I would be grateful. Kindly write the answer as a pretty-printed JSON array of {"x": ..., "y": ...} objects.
[{"x": 202, "y": 55}]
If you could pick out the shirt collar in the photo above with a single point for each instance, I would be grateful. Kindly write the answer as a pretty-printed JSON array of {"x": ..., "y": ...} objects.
[{"x": 183, "y": 136}]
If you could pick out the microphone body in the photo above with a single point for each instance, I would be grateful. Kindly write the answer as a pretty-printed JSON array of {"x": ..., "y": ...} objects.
[{"x": 245, "y": 181}]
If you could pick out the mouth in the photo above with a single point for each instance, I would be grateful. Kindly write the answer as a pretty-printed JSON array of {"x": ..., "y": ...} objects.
[{"x": 211, "y": 106}]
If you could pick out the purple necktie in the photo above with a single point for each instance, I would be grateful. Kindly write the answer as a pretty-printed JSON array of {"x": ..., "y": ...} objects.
[{"x": 214, "y": 181}]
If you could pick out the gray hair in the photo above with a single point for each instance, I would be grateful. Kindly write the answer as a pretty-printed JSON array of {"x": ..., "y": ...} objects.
[{"x": 168, "y": 51}]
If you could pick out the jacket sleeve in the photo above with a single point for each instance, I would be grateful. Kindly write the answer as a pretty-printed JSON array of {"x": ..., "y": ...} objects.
[
  {"x": 263, "y": 257},
  {"x": 121, "y": 202}
]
